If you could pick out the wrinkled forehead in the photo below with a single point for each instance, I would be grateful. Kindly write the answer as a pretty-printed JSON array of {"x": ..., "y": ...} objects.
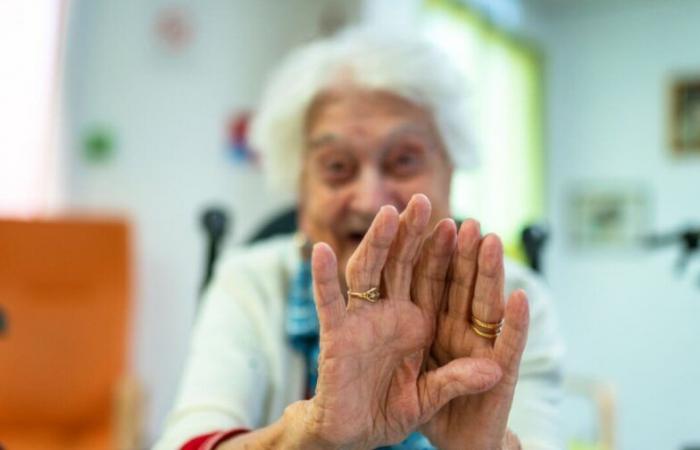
[{"x": 351, "y": 112}]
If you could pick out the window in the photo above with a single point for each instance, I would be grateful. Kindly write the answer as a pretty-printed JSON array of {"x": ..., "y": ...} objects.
[
  {"x": 29, "y": 53},
  {"x": 506, "y": 192}
]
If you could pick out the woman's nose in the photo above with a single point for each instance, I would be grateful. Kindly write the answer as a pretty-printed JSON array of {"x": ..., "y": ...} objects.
[{"x": 371, "y": 193}]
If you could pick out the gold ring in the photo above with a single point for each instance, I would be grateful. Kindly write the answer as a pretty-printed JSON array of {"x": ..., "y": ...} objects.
[
  {"x": 485, "y": 334},
  {"x": 487, "y": 325},
  {"x": 488, "y": 330},
  {"x": 371, "y": 295}
]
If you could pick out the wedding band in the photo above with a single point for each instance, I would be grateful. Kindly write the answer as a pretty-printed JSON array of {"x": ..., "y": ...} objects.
[
  {"x": 371, "y": 295},
  {"x": 485, "y": 334},
  {"x": 488, "y": 330},
  {"x": 487, "y": 325}
]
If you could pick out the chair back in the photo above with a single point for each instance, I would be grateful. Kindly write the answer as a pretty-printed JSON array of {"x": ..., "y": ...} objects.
[{"x": 64, "y": 296}]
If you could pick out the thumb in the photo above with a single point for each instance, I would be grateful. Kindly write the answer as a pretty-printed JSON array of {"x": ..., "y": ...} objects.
[{"x": 463, "y": 376}]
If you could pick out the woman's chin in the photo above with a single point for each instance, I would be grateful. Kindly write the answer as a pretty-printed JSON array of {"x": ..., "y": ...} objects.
[{"x": 344, "y": 254}]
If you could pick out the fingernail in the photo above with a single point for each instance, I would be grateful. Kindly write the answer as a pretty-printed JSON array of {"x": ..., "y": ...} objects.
[
  {"x": 445, "y": 232},
  {"x": 523, "y": 293},
  {"x": 387, "y": 208},
  {"x": 419, "y": 195},
  {"x": 419, "y": 217},
  {"x": 495, "y": 247}
]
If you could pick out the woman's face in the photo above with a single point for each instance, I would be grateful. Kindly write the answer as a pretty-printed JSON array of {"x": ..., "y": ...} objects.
[{"x": 366, "y": 149}]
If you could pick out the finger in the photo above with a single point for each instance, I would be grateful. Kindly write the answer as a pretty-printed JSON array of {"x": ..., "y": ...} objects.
[
  {"x": 330, "y": 303},
  {"x": 463, "y": 376},
  {"x": 511, "y": 441},
  {"x": 430, "y": 273},
  {"x": 404, "y": 250},
  {"x": 510, "y": 344},
  {"x": 364, "y": 269},
  {"x": 464, "y": 268},
  {"x": 488, "y": 303}
]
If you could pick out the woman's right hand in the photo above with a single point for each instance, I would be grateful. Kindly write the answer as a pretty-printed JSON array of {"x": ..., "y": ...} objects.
[{"x": 372, "y": 389}]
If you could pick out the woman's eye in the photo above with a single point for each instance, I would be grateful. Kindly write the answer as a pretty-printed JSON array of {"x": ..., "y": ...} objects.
[
  {"x": 337, "y": 169},
  {"x": 405, "y": 161},
  {"x": 336, "y": 166}
]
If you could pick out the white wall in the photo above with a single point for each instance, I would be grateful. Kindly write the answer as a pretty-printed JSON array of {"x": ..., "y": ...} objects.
[
  {"x": 169, "y": 114},
  {"x": 625, "y": 316}
]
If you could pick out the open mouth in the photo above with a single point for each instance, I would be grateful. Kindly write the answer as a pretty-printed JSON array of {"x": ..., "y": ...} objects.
[{"x": 356, "y": 237}]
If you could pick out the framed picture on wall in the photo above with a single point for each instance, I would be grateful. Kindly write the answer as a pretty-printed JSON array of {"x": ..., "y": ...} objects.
[
  {"x": 685, "y": 116},
  {"x": 607, "y": 214}
]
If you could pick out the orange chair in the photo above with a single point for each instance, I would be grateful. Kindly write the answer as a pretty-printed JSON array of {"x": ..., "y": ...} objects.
[{"x": 64, "y": 301}]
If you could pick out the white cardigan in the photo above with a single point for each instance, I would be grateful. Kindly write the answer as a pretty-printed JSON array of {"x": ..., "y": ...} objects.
[{"x": 241, "y": 372}]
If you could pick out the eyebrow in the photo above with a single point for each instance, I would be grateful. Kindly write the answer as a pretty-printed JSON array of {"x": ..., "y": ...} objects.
[
  {"x": 324, "y": 139},
  {"x": 410, "y": 129}
]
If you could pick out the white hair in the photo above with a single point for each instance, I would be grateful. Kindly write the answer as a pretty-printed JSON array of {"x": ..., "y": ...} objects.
[{"x": 407, "y": 66}]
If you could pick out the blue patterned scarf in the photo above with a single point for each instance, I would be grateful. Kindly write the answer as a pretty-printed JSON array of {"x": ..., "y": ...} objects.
[{"x": 302, "y": 331}]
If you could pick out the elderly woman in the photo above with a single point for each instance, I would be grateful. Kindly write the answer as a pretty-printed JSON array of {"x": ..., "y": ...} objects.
[{"x": 385, "y": 325}]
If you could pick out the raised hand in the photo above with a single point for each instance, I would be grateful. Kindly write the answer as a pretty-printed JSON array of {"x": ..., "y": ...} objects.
[
  {"x": 461, "y": 285},
  {"x": 372, "y": 388}
]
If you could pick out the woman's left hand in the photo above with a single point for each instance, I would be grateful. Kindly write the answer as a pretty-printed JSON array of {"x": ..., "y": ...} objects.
[{"x": 466, "y": 280}]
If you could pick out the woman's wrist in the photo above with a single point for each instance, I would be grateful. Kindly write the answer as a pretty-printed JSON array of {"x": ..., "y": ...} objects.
[
  {"x": 301, "y": 430},
  {"x": 305, "y": 430},
  {"x": 510, "y": 441},
  {"x": 294, "y": 430},
  {"x": 298, "y": 429}
]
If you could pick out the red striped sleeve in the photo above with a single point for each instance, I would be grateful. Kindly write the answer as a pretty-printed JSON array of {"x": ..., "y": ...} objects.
[{"x": 210, "y": 440}]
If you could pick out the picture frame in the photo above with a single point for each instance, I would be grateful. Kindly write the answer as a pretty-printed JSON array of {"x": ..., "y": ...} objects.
[
  {"x": 607, "y": 215},
  {"x": 685, "y": 117}
]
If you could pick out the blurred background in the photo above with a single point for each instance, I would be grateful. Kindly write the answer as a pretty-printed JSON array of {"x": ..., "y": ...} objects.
[{"x": 124, "y": 169}]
